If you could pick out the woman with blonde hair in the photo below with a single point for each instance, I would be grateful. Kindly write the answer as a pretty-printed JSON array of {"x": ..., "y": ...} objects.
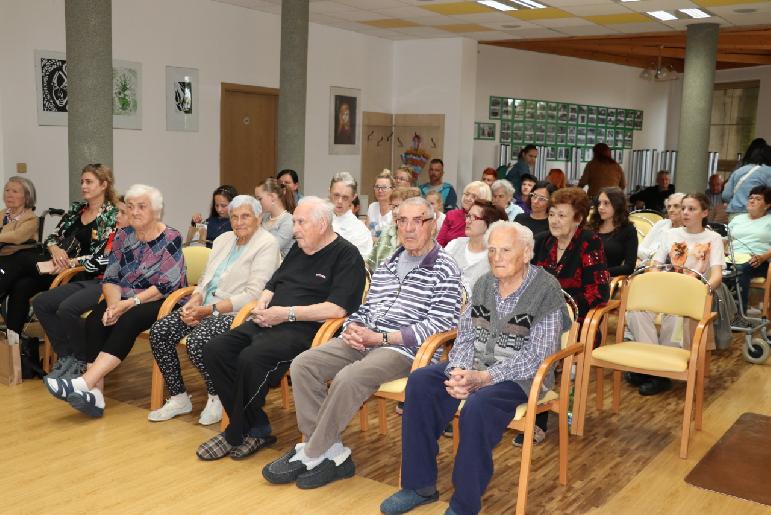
[
  {"x": 403, "y": 178},
  {"x": 455, "y": 220},
  {"x": 278, "y": 203},
  {"x": 379, "y": 212}
]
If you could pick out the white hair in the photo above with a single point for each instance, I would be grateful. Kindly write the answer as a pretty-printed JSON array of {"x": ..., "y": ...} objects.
[
  {"x": 524, "y": 234},
  {"x": 419, "y": 201},
  {"x": 346, "y": 178},
  {"x": 245, "y": 200},
  {"x": 321, "y": 209},
  {"x": 152, "y": 193},
  {"x": 483, "y": 190},
  {"x": 675, "y": 197},
  {"x": 503, "y": 183}
]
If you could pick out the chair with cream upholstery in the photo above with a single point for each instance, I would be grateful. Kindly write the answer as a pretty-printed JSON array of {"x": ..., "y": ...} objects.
[
  {"x": 686, "y": 296},
  {"x": 650, "y": 215},
  {"x": 642, "y": 225}
]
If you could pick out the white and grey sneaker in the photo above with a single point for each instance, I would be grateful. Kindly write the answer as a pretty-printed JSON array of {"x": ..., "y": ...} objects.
[
  {"x": 61, "y": 367},
  {"x": 76, "y": 369},
  {"x": 212, "y": 413},
  {"x": 176, "y": 405}
]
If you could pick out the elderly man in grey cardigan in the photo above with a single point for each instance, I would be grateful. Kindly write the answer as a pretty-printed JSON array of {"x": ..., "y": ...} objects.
[
  {"x": 415, "y": 293},
  {"x": 516, "y": 316}
]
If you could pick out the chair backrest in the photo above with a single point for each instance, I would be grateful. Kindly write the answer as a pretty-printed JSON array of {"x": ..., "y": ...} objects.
[
  {"x": 642, "y": 224},
  {"x": 569, "y": 336},
  {"x": 672, "y": 293},
  {"x": 195, "y": 260},
  {"x": 651, "y": 215}
]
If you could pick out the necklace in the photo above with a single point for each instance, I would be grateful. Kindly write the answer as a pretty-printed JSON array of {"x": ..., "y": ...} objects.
[
  {"x": 561, "y": 248},
  {"x": 274, "y": 218}
]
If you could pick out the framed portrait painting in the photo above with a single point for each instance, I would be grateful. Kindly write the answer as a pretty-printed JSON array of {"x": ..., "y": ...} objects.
[
  {"x": 181, "y": 99},
  {"x": 344, "y": 116}
]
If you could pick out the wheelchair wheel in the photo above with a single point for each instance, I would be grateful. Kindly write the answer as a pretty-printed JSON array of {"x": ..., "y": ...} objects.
[{"x": 757, "y": 351}]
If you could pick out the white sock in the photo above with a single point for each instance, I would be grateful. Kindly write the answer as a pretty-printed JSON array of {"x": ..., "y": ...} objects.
[
  {"x": 299, "y": 453},
  {"x": 99, "y": 397},
  {"x": 311, "y": 462},
  {"x": 80, "y": 384},
  {"x": 337, "y": 453}
]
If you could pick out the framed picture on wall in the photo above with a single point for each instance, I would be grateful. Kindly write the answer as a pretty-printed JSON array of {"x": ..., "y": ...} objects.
[
  {"x": 611, "y": 117},
  {"x": 551, "y": 134},
  {"x": 181, "y": 99},
  {"x": 484, "y": 131},
  {"x": 495, "y": 108},
  {"x": 562, "y": 113},
  {"x": 628, "y": 139},
  {"x": 571, "y": 135},
  {"x": 506, "y": 127},
  {"x": 51, "y": 85},
  {"x": 599, "y": 135},
  {"x": 620, "y": 118},
  {"x": 629, "y": 124},
  {"x": 610, "y": 137},
  {"x": 638, "y": 120},
  {"x": 591, "y": 115},
  {"x": 563, "y": 153},
  {"x": 562, "y": 134},
  {"x": 541, "y": 111},
  {"x": 551, "y": 153},
  {"x": 517, "y": 133},
  {"x": 126, "y": 95},
  {"x": 591, "y": 137},
  {"x": 344, "y": 116},
  {"x": 602, "y": 115},
  {"x": 540, "y": 134},
  {"x": 530, "y": 109},
  {"x": 529, "y": 134},
  {"x": 519, "y": 109},
  {"x": 581, "y": 136},
  {"x": 507, "y": 108},
  {"x": 582, "y": 115},
  {"x": 573, "y": 113},
  {"x": 551, "y": 112}
]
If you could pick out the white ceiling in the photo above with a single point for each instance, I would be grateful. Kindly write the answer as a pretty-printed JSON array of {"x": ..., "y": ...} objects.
[{"x": 415, "y": 19}]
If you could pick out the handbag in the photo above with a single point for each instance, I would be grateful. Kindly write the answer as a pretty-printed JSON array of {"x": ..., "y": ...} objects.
[{"x": 10, "y": 360}]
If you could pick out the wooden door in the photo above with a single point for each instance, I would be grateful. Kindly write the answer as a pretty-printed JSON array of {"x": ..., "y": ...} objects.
[
  {"x": 377, "y": 134},
  {"x": 248, "y": 135}
]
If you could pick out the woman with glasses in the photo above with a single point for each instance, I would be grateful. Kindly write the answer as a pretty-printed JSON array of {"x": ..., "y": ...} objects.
[
  {"x": 537, "y": 220},
  {"x": 218, "y": 221},
  {"x": 751, "y": 234},
  {"x": 379, "y": 212},
  {"x": 470, "y": 251},
  {"x": 454, "y": 225}
]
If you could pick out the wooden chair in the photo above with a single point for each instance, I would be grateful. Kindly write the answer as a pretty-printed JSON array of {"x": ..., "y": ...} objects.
[
  {"x": 765, "y": 285},
  {"x": 661, "y": 292},
  {"x": 49, "y": 356},
  {"x": 651, "y": 215},
  {"x": 642, "y": 225},
  {"x": 540, "y": 402}
]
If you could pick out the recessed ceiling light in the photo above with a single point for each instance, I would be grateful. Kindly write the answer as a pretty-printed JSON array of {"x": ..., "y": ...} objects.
[
  {"x": 529, "y": 4},
  {"x": 695, "y": 13},
  {"x": 497, "y": 5},
  {"x": 662, "y": 15}
]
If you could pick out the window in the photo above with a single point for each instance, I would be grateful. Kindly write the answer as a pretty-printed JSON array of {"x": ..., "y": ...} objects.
[{"x": 734, "y": 113}]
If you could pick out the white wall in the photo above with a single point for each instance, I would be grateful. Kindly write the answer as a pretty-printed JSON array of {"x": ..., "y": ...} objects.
[{"x": 522, "y": 74}]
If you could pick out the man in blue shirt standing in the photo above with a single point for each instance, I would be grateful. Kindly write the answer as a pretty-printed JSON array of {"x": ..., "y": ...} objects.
[{"x": 435, "y": 174}]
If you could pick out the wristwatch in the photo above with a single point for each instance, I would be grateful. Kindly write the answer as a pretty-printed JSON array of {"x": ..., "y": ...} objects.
[
  {"x": 292, "y": 316},
  {"x": 214, "y": 311},
  {"x": 385, "y": 338},
  {"x": 137, "y": 300}
]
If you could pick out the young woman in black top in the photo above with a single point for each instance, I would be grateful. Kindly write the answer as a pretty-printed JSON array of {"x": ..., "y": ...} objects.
[
  {"x": 610, "y": 221},
  {"x": 538, "y": 219}
]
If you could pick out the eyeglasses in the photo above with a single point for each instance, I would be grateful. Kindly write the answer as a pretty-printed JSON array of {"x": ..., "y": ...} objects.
[
  {"x": 469, "y": 216},
  {"x": 533, "y": 196},
  {"x": 382, "y": 188},
  {"x": 418, "y": 222}
]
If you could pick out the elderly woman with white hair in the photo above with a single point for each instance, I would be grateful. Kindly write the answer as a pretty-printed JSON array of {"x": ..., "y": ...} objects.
[
  {"x": 146, "y": 265},
  {"x": 650, "y": 244},
  {"x": 240, "y": 263},
  {"x": 454, "y": 225},
  {"x": 519, "y": 306},
  {"x": 342, "y": 192},
  {"x": 503, "y": 198}
]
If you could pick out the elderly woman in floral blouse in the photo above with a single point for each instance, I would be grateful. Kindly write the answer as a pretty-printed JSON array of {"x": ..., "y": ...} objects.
[{"x": 145, "y": 266}]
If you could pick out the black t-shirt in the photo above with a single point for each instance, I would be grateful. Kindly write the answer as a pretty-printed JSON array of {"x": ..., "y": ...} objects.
[
  {"x": 537, "y": 226},
  {"x": 334, "y": 274},
  {"x": 82, "y": 233},
  {"x": 620, "y": 250}
]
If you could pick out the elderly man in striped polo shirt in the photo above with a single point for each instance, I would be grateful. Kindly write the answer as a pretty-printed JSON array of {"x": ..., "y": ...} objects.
[{"x": 415, "y": 293}]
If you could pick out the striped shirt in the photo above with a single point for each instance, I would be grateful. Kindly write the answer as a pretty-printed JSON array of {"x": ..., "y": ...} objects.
[{"x": 426, "y": 302}]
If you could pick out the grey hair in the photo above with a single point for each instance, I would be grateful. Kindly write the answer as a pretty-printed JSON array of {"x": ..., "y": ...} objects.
[
  {"x": 674, "y": 197},
  {"x": 321, "y": 209},
  {"x": 503, "y": 183},
  {"x": 483, "y": 190},
  {"x": 245, "y": 200},
  {"x": 347, "y": 179},
  {"x": 142, "y": 190},
  {"x": 30, "y": 195},
  {"x": 420, "y": 201},
  {"x": 524, "y": 234}
]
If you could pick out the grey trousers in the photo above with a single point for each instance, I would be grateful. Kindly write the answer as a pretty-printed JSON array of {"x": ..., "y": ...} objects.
[
  {"x": 324, "y": 413},
  {"x": 642, "y": 324}
]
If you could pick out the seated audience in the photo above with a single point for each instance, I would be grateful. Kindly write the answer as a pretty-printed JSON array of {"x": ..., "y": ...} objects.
[
  {"x": 755, "y": 172},
  {"x": 19, "y": 226},
  {"x": 322, "y": 277},
  {"x": 503, "y": 198},
  {"x": 414, "y": 294},
  {"x": 59, "y": 310},
  {"x": 342, "y": 193},
  {"x": 751, "y": 234},
  {"x": 454, "y": 225},
  {"x": 538, "y": 218},
  {"x": 436, "y": 200},
  {"x": 493, "y": 381},
  {"x": 522, "y": 199},
  {"x": 379, "y": 212},
  {"x": 240, "y": 263},
  {"x": 650, "y": 244},
  {"x": 601, "y": 172},
  {"x": 146, "y": 264},
  {"x": 277, "y": 205},
  {"x": 619, "y": 237},
  {"x": 389, "y": 240},
  {"x": 470, "y": 251},
  {"x": 556, "y": 177},
  {"x": 653, "y": 197},
  {"x": 435, "y": 174},
  {"x": 525, "y": 165},
  {"x": 218, "y": 221},
  {"x": 403, "y": 178},
  {"x": 696, "y": 250},
  {"x": 714, "y": 193},
  {"x": 489, "y": 176},
  {"x": 289, "y": 179},
  {"x": 82, "y": 231}
]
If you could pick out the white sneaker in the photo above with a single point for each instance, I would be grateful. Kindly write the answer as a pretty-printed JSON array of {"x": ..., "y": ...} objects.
[
  {"x": 176, "y": 405},
  {"x": 212, "y": 413}
]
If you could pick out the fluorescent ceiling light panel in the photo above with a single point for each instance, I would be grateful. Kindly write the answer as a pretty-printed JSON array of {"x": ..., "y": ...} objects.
[
  {"x": 624, "y": 1},
  {"x": 529, "y": 3},
  {"x": 497, "y": 5},
  {"x": 695, "y": 13},
  {"x": 662, "y": 15}
]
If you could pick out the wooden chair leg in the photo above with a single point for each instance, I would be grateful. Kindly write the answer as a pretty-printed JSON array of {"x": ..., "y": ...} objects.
[
  {"x": 524, "y": 469},
  {"x": 599, "y": 380},
  {"x": 285, "y": 391},
  {"x": 563, "y": 427},
  {"x": 699, "y": 399},
  {"x": 584, "y": 400},
  {"x": 157, "y": 385},
  {"x": 364, "y": 417},
  {"x": 707, "y": 359},
  {"x": 381, "y": 416},
  {"x": 455, "y": 435},
  {"x": 616, "y": 391},
  {"x": 687, "y": 412},
  {"x": 225, "y": 421},
  {"x": 577, "y": 400},
  {"x": 48, "y": 355}
]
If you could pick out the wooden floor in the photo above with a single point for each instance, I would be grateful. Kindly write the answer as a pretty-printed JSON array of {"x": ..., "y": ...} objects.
[{"x": 56, "y": 460}]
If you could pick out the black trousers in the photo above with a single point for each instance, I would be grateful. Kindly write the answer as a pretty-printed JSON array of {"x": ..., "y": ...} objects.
[
  {"x": 244, "y": 363},
  {"x": 59, "y": 312},
  {"x": 117, "y": 339},
  {"x": 20, "y": 280}
]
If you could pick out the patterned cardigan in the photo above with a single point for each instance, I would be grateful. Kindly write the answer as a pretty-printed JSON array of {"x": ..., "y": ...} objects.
[{"x": 105, "y": 225}]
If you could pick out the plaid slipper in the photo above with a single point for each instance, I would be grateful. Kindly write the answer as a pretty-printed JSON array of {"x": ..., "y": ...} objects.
[
  {"x": 214, "y": 449},
  {"x": 251, "y": 445}
]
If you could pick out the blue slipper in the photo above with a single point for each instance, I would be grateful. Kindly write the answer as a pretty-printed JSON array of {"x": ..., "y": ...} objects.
[
  {"x": 59, "y": 388},
  {"x": 405, "y": 500},
  {"x": 85, "y": 402}
]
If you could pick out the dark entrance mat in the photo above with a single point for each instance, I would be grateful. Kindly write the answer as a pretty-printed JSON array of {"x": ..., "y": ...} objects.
[{"x": 738, "y": 464}]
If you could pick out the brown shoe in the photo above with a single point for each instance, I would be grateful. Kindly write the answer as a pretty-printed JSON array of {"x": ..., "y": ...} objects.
[
  {"x": 251, "y": 445},
  {"x": 214, "y": 449}
]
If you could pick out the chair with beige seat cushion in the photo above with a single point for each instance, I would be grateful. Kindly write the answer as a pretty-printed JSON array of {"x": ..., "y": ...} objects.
[{"x": 658, "y": 292}]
